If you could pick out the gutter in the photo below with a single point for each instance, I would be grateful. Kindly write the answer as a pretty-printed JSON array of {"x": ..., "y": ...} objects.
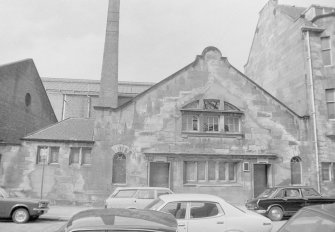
[{"x": 311, "y": 79}]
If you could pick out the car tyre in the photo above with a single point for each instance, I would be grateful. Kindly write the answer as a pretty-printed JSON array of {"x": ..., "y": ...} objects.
[
  {"x": 20, "y": 215},
  {"x": 275, "y": 213}
]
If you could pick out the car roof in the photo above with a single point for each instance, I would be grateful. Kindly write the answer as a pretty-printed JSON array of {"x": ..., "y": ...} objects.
[
  {"x": 129, "y": 188},
  {"x": 190, "y": 197},
  {"x": 122, "y": 218},
  {"x": 328, "y": 209}
]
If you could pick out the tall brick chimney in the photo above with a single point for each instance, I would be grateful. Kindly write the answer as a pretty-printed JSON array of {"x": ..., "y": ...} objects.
[{"x": 109, "y": 74}]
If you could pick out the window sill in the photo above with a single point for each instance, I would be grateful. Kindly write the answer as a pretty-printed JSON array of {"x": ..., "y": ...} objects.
[
  {"x": 212, "y": 134},
  {"x": 228, "y": 184}
]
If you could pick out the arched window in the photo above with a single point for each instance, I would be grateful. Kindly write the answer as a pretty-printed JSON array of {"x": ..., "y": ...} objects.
[
  {"x": 119, "y": 169},
  {"x": 296, "y": 170}
]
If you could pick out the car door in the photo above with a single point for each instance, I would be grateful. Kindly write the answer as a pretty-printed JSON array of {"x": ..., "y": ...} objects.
[
  {"x": 124, "y": 198},
  {"x": 2, "y": 204},
  {"x": 293, "y": 200},
  {"x": 144, "y": 197},
  {"x": 312, "y": 197},
  {"x": 179, "y": 211},
  {"x": 207, "y": 216}
]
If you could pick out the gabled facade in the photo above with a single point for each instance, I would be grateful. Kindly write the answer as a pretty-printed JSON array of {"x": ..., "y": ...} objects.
[
  {"x": 207, "y": 128},
  {"x": 293, "y": 57}
]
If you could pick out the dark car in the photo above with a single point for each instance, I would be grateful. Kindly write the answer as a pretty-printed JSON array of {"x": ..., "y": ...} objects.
[
  {"x": 116, "y": 219},
  {"x": 21, "y": 209},
  {"x": 278, "y": 202},
  {"x": 312, "y": 218}
]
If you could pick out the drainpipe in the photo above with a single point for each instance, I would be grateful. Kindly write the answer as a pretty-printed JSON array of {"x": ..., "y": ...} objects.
[{"x": 310, "y": 69}]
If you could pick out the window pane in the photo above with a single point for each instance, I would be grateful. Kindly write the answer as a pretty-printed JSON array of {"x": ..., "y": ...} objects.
[
  {"x": 194, "y": 123},
  {"x": 211, "y": 170},
  {"x": 146, "y": 194},
  {"x": 325, "y": 171},
  {"x": 325, "y": 43},
  {"x": 125, "y": 193},
  {"x": 232, "y": 124},
  {"x": 190, "y": 171},
  {"x": 203, "y": 209},
  {"x": 211, "y": 104},
  {"x": 222, "y": 170},
  {"x": 177, "y": 209},
  {"x": 201, "y": 170},
  {"x": 326, "y": 57},
  {"x": 74, "y": 155},
  {"x": 331, "y": 110},
  {"x": 330, "y": 95},
  {"x": 231, "y": 171},
  {"x": 86, "y": 155},
  {"x": 309, "y": 192},
  {"x": 54, "y": 151}
]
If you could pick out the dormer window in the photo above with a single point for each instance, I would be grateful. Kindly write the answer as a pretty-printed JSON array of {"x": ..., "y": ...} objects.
[{"x": 212, "y": 117}]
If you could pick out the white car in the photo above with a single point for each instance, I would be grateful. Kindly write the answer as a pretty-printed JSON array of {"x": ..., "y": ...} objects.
[
  {"x": 134, "y": 197},
  {"x": 203, "y": 212}
]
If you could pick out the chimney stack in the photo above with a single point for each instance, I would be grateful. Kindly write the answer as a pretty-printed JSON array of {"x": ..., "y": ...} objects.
[{"x": 109, "y": 74}]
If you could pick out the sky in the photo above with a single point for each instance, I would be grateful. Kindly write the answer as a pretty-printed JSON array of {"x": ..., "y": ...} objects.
[{"x": 65, "y": 38}]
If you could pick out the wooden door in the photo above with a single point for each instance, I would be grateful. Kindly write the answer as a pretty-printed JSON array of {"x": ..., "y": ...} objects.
[{"x": 260, "y": 178}]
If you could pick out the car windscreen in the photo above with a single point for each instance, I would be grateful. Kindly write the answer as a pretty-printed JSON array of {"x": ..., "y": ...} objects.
[
  {"x": 267, "y": 193},
  {"x": 155, "y": 204}
]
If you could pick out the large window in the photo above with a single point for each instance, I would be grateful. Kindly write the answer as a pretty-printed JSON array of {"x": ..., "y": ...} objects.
[
  {"x": 326, "y": 50},
  {"x": 209, "y": 117},
  {"x": 119, "y": 169},
  {"x": 296, "y": 170},
  {"x": 47, "y": 155},
  {"x": 330, "y": 99},
  {"x": 80, "y": 155},
  {"x": 211, "y": 171}
]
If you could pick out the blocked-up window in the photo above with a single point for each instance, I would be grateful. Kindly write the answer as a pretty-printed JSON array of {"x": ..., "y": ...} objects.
[
  {"x": 74, "y": 155},
  {"x": 326, "y": 50},
  {"x": 54, "y": 154},
  {"x": 330, "y": 99},
  {"x": 326, "y": 171},
  {"x": 86, "y": 153},
  {"x": 119, "y": 169}
]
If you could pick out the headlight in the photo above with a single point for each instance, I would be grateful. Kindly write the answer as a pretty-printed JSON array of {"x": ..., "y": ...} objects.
[{"x": 252, "y": 206}]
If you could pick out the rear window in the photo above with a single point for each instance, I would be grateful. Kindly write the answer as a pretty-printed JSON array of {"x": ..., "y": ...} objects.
[
  {"x": 162, "y": 192},
  {"x": 155, "y": 204},
  {"x": 125, "y": 193}
]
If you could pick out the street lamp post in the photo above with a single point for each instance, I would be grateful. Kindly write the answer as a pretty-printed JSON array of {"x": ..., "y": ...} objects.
[{"x": 43, "y": 155}]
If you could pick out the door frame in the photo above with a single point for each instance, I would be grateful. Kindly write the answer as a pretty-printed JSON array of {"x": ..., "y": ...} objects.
[
  {"x": 169, "y": 174},
  {"x": 268, "y": 175}
]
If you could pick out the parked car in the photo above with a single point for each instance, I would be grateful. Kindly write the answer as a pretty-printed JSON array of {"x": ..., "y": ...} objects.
[
  {"x": 278, "y": 202},
  {"x": 21, "y": 209},
  {"x": 203, "y": 212},
  {"x": 120, "y": 220},
  {"x": 312, "y": 218},
  {"x": 134, "y": 197}
]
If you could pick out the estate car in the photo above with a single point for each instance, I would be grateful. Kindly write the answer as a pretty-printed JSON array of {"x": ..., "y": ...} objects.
[
  {"x": 278, "y": 202},
  {"x": 134, "y": 197}
]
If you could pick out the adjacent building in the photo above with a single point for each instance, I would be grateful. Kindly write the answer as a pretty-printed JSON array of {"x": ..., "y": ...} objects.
[{"x": 293, "y": 57}]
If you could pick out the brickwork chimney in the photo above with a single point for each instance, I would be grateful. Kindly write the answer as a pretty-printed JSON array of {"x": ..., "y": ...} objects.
[{"x": 109, "y": 74}]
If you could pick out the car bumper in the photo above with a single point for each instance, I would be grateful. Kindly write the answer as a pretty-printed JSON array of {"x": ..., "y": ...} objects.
[{"x": 39, "y": 211}]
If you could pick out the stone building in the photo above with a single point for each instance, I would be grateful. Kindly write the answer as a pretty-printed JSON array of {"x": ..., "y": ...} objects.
[
  {"x": 207, "y": 128},
  {"x": 293, "y": 47},
  {"x": 24, "y": 108}
]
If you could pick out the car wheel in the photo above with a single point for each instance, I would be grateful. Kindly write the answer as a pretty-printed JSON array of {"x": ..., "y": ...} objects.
[
  {"x": 275, "y": 213},
  {"x": 20, "y": 215}
]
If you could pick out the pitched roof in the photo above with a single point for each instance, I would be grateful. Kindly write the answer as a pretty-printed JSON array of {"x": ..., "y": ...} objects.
[
  {"x": 70, "y": 129},
  {"x": 292, "y": 11}
]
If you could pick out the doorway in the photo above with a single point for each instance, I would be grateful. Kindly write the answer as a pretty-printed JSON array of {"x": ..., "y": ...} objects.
[
  {"x": 159, "y": 174},
  {"x": 260, "y": 178}
]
